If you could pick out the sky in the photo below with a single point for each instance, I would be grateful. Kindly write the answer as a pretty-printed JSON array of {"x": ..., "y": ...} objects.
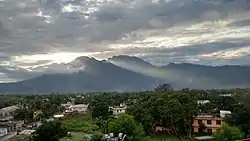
[{"x": 37, "y": 33}]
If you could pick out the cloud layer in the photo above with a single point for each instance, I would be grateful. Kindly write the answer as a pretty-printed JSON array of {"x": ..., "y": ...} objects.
[{"x": 211, "y": 32}]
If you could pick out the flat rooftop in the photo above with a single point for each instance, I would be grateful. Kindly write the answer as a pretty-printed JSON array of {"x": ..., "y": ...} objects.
[{"x": 204, "y": 138}]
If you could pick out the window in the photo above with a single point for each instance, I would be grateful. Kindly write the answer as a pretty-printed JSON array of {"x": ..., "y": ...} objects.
[
  {"x": 209, "y": 130},
  {"x": 199, "y": 121},
  {"x": 209, "y": 122},
  {"x": 218, "y": 122}
]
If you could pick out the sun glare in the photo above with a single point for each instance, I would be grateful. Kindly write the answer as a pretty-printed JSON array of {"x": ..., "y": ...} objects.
[{"x": 60, "y": 57}]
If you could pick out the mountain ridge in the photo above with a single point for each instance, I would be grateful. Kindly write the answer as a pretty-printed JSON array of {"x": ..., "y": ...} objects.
[{"x": 129, "y": 73}]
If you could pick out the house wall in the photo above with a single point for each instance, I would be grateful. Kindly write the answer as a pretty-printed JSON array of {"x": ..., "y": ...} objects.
[
  {"x": 213, "y": 126},
  {"x": 8, "y": 111},
  {"x": 3, "y": 132}
]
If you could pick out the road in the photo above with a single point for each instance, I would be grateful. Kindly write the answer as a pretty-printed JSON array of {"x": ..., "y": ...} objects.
[{"x": 10, "y": 135}]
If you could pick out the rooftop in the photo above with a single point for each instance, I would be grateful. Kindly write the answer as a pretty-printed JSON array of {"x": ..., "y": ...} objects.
[
  {"x": 10, "y": 108},
  {"x": 204, "y": 138},
  {"x": 78, "y": 105},
  {"x": 27, "y": 132},
  {"x": 58, "y": 116}
]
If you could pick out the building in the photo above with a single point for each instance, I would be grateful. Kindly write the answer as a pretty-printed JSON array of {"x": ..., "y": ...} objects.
[
  {"x": 205, "y": 138},
  {"x": 37, "y": 113},
  {"x": 3, "y": 132},
  {"x": 226, "y": 95},
  {"x": 66, "y": 105},
  {"x": 202, "y": 102},
  {"x": 224, "y": 113},
  {"x": 211, "y": 123},
  {"x": 161, "y": 129},
  {"x": 8, "y": 111},
  {"x": 58, "y": 116},
  {"x": 12, "y": 125},
  {"x": 118, "y": 109},
  {"x": 80, "y": 108}
]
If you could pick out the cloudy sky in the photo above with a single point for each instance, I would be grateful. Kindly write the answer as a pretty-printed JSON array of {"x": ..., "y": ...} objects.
[{"x": 37, "y": 33}]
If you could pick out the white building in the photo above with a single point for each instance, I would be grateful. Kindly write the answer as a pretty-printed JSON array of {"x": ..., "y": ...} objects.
[
  {"x": 58, "y": 116},
  {"x": 202, "y": 102},
  {"x": 8, "y": 111},
  {"x": 226, "y": 95},
  {"x": 66, "y": 105},
  {"x": 3, "y": 132},
  {"x": 118, "y": 109},
  {"x": 224, "y": 113},
  {"x": 81, "y": 108}
]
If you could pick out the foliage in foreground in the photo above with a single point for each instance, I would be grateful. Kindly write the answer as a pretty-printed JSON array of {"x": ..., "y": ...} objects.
[
  {"x": 228, "y": 133},
  {"x": 127, "y": 125},
  {"x": 50, "y": 131}
]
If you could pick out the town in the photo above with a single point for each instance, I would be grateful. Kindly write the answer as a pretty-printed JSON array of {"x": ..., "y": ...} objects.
[{"x": 162, "y": 114}]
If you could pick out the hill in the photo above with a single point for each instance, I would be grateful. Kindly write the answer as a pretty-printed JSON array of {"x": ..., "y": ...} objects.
[
  {"x": 94, "y": 76},
  {"x": 126, "y": 73}
]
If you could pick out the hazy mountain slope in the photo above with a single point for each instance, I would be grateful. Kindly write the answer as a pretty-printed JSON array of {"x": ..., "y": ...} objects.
[
  {"x": 95, "y": 76},
  {"x": 125, "y": 73},
  {"x": 138, "y": 65},
  {"x": 189, "y": 75},
  {"x": 217, "y": 76}
]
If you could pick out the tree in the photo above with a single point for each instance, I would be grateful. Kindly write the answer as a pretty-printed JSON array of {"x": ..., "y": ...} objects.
[
  {"x": 96, "y": 136},
  {"x": 127, "y": 125},
  {"x": 24, "y": 114},
  {"x": 174, "y": 111},
  {"x": 164, "y": 88},
  {"x": 50, "y": 131},
  {"x": 228, "y": 133},
  {"x": 240, "y": 117},
  {"x": 100, "y": 110}
]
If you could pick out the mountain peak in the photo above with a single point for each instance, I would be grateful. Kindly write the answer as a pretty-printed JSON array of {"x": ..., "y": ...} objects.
[
  {"x": 85, "y": 58},
  {"x": 131, "y": 59},
  {"x": 125, "y": 57}
]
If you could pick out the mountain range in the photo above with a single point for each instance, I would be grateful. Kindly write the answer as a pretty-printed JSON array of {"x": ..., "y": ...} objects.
[{"x": 129, "y": 73}]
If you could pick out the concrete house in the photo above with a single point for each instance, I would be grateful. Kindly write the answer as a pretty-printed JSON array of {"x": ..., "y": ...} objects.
[
  {"x": 212, "y": 123},
  {"x": 8, "y": 111}
]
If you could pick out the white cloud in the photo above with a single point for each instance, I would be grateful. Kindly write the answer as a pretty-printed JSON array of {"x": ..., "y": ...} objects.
[
  {"x": 60, "y": 57},
  {"x": 54, "y": 31}
]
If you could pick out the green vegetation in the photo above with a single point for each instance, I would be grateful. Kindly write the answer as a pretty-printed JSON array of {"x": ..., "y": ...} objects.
[
  {"x": 227, "y": 133},
  {"x": 126, "y": 124},
  {"x": 164, "y": 107},
  {"x": 80, "y": 123},
  {"x": 50, "y": 131}
]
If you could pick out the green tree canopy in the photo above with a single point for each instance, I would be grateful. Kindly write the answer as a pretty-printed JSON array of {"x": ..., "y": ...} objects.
[
  {"x": 100, "y": 110},
  {"x": 127, "y": 125},
  {"x": 164, "y": 88},
  {"x": 240, "y": 117},
  {"x": 50, "y": 131},
  {"x": 228, "y": 133}
]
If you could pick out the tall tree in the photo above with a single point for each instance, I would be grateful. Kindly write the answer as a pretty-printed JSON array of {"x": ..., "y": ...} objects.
[
  {"x": 240, "y": 117},
  {"x": 228, "y": 133},
  {"x": 164, "y": 88},
  {"x": 50, "y": 131},
  {"x": 127, "y": 125},
  {"x": 100, "y": 110}
]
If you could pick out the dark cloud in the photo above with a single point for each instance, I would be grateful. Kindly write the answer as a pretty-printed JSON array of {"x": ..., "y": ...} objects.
[
  {"x": 3, "y": 31},
  {"x": 241, "y": 23},
  {"x": 47, "y": 26}
]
